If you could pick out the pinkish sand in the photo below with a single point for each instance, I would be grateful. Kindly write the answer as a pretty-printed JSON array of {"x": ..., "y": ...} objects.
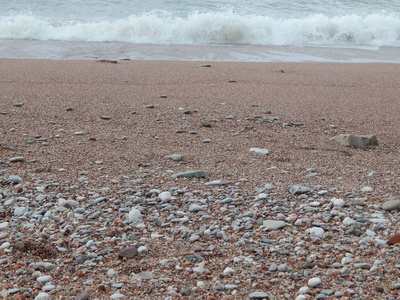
[{"x": 91, "y": 129}]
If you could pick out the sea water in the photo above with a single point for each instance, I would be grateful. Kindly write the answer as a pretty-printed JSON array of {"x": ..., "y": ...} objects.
[{"x": 246, "y": 30}]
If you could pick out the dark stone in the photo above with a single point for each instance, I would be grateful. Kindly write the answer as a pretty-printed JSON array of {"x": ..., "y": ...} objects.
[{"x": 128, "y": 253}]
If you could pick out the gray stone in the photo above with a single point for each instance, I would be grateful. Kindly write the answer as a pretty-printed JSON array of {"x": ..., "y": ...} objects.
[
  {"x": 391, "y": 205},
  {"x": 83, "y": 297},
  {"x": 129, "y": 252},
  {"x": 42, "y": 296},
  {"x": 258, "y": 295},
  {"x": 217, "y": 182},
  {"x": 175, "y": 157},
  {"x": 272, "y": 224},
  {"x": 20, "y": 211},
  {"x": 143, "y": 275},
  {"x": 14, "y": 179},
  {"x": 44, "y": 278},
  {"x": 298, "y": 189},
  {"x": 13, "y": 291},
  {"x": 195, "y": 207},
  {"x": 17, "y": 159},
  {"x": 190, "y": 174},
  {"x": 350, "y": 140}
]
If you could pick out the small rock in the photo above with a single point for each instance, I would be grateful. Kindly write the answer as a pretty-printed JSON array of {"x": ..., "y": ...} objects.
[
  {"x": 117, "y": 296},
  {"x": 391, "y": 205},
  {"x": 44, "y": 279},
  {"x": 367, "y": 189},
  {"x": 129, "y": 252},
  {"x": 164, "y": 196},
  {"x": 229, "y": 271},
  {"x": 217, "y": 182},
  {"x": 195, "y": 207},
  {"x": 175, "y": 157},
  {"x": 134, "y": 215},
  {"x": 143, "y": 275},
  {"x": 259, "y": 151},
  {"x": 317, "y": 231},
  {"x": 258, "y": 295},
  {"x": 272, "y": 224},
  {"x": 42, "y": 296},
  {"x": 190, "y": 174},
  {"x": 83, "y": 297},
  {"x": 314, "y": 282},
  {"x": 17, "y": 159},
  {"x": 298, "y": 189},
  {"x": 14, "y": 179},
  {"x": 350, "y": 140},
  {"x": 394, "y": 239},
  {"x": 20, "y": 211}
]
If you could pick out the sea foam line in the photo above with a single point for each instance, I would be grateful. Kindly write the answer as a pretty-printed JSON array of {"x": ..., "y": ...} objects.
[{"x": 212, "y": 28}]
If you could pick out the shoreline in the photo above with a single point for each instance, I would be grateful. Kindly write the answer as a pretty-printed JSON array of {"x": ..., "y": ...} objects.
[
  {"x": 75, "y": 50},
  {"x": 96, "y": 178}
]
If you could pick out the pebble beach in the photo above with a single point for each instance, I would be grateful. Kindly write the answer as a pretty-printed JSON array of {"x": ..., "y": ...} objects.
[{"x": 188, "y": 180}]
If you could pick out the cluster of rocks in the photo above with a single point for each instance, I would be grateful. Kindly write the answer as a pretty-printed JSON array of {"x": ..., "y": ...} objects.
[{"x": 220, "y": 241}]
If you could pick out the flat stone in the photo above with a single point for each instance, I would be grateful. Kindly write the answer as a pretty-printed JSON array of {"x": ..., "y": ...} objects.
[
  {"x": 129, "y": 252},
  {"x": 259, "y": 151},
  {"x": 258, "y": 295},
  {"x": 358, "y": 141},
  {"x": 14, "y": 179},
  {"x": 143, "y": 275},
  {"x": 20, "y": 211},
  {"x": 190, "y": 174},
  {"x": 391, "y": 205},
  {"x": 272, "y": 224},
  {"x": 195, "y": 207},
  {"x": 117, "y": 296},
  {"x": 217, "y": 182},
  {"x": 44, "y": 278},
  {"x": 298, "y": 189},
  {"x": 175, "y": 157},
  {"x": 17, "y": 159}
]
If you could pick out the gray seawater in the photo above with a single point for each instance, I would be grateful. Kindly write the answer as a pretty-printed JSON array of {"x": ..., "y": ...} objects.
[{"x": 319, "y": 30}]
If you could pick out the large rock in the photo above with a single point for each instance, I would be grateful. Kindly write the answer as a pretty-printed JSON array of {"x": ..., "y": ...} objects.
[
  {"x": 190, "y": 174},
  {"x": 358, "y": 141},
  {"x": 391, "y": 205}
]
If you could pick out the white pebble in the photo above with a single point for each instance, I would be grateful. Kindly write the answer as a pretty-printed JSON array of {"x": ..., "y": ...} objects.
[
  {"x": 164, "y": 196},
  {"x": 45, "y": 278},
  {"x": 134, "y": 215},
  {"x": 260, "y": 151},
  {"x": 304, "y": 290},
  {"x": 367, "y": 189},
  {"x": 3, "y": 225},
  {"x": 262, "y": 196},
  {"x": 229, "y": 271},
  {"x": 317, "y": 231},
  {"x": 348, "y": 221},
  {"x": 111, "y": 273},
  {"x": 42, "y": 296},
  {"x": 142, "y": 249},
  {"x": 338, "y": 202},
  {"x": 5, "y": 245},
  {"x": 314, "y": 282}
]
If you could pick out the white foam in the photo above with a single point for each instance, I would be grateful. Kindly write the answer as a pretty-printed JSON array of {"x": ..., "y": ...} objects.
[{"x": 219, "y": 28}]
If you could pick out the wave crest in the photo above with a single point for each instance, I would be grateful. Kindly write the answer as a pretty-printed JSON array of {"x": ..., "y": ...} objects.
[{"x": 212, "y": 28}]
